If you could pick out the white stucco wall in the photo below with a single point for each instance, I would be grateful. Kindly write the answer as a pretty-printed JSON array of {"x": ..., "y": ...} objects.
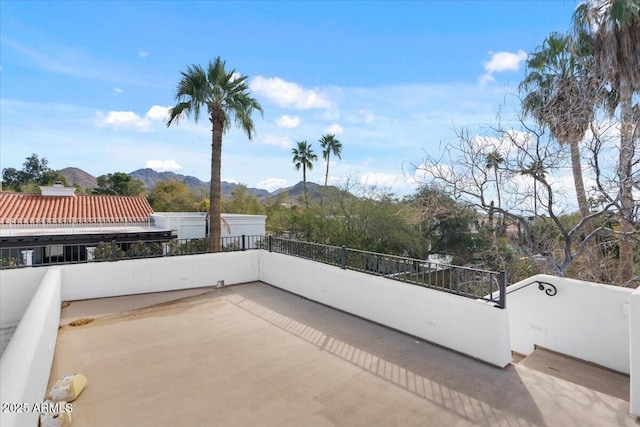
[
  {"x": 634, "y": 338},
  {"x": 249, "y": 225},
  {"x": 106, "y": 279},
  {"x": 17, "y": 288},
  {"x": 26, "y": 362},
  {"x": 192, "y": 225},
  {"x": 475, "y": 328},
  {"x": 187, "y": 225},
  {"x": 589, "y": 321}
]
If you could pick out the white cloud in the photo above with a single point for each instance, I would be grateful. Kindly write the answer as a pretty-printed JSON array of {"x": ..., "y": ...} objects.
[
  {"x": 502, "y": 61},
  {"x": 288, "y": 122},
  {"x": 505, "y": 61},
  {"x": 275, "y": 140},
  {"x": 143, "y": 54},
  {"x": 157, "y": 112},
  {"x": 289, "y": 94},
  {"x": 163, "y": 165},
  {"x": 117, "y": 90},
  {"x": 379, "y": 179},
  {"x": 131, "y": 120},
  {"x": 122, "y": 119},
  {"x": 335, "y": 129},
  {"x": 271, "y": 184}
]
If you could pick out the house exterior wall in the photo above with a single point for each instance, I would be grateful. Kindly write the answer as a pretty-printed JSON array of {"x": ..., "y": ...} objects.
[
  {"x": 249, "y": 225},
  {"x": 186, "y": 225},
  {"x": 193, "y": 225}
]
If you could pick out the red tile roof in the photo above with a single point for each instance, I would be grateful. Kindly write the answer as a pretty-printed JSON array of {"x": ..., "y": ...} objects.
[{"x": 21, "y": 208}]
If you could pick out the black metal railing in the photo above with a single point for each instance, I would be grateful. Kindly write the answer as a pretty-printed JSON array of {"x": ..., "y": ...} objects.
[
  {"x": 464, "y": 281},
  {"x": 119, "y": 250},
  {"x": 548, "y": 288}
]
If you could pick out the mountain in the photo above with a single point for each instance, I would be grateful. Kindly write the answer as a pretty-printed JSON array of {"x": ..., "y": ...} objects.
[
  {"x": 294, "y": 194},
  {"x": 151, "y": 178},
  {"x": 78, "y": 176}
]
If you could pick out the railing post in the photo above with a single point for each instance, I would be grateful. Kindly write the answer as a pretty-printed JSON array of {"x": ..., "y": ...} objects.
[
  {"x": 113, "y": 250},
  {"x": 343, "y": 258},
  {"x": 270, "y": 244},
  {"x": 244, "y": 246},
  {"x": 503, "y": 289}
]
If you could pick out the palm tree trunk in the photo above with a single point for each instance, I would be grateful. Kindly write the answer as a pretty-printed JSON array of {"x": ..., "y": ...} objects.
[
  {"x": 495, "y": 172},
  {"x": 326, "y": 179},
  {"x": 581, "y": 194},
  {"x": 215, "y": 214},
  {"x": 304, "y": 184},
  {"x": 326, "y": 176},
  {"x": 625, "y": 271}
]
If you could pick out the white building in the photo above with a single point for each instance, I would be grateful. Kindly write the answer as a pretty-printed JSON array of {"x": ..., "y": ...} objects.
[{"x": 193, "y": 225}]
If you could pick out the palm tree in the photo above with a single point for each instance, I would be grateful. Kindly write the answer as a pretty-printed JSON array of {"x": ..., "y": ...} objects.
[
  {"x": 559, "y": 95},
  {"x": 494, "y": 160},
  {"x": 225, "y": 94},
  {"x": 329, "y": 145},
  {"x": 303, "y": 157},
  {"x": 614, "y": 26}
]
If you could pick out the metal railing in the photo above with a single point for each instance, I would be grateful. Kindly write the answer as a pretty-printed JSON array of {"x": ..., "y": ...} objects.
[
  {"x": 30, "y": 256},
  {"x": 464, "y": 281}
]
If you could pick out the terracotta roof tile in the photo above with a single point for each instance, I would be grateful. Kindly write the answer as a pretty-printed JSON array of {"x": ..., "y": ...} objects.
[{"x": 24, "y": 208}]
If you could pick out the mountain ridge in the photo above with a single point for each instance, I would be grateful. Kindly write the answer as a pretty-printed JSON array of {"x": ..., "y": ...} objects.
[{"x": 151, "y": 178}]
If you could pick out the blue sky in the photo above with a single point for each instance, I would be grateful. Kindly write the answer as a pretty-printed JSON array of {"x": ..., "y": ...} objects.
[{"x": 87, "y": 84}]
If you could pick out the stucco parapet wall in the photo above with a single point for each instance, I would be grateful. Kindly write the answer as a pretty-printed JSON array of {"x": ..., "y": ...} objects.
[
  {"x": 26, "y": 362},
  {"x": 585, "y": 320},
  {"x": 562, "y": 281},
  {"x": 634, "y": 351},
  {"x": 472, "y": 327}
]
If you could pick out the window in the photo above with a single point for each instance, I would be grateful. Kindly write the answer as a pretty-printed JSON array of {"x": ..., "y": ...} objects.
[{"x": 54, "y": 251}]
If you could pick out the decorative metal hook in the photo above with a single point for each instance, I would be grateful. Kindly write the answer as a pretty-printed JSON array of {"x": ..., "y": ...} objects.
[{"x": 548, "y": 288}]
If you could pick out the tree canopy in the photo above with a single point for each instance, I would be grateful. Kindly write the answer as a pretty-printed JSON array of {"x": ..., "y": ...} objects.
[
  {"x": 226, "y": 96},
  {"x": 119, "y": 183},
  {"x": 35, "y": 172}
]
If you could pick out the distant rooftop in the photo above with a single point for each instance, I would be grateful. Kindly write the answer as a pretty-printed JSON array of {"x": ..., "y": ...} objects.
[
  {"x": 22, "y": 208},
  {"x": 256, "y": 355}
]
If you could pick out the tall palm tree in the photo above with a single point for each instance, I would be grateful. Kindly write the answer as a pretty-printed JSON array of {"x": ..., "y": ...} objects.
[
  {"x": 329, "y": 145},
  {"x": 614, "y": 26},
  {"x": 225, "y": 95},
  {"x": 494, "y": 160},
  {"x": 303, "y": 157},
  {"x": 558, "y": 94}
]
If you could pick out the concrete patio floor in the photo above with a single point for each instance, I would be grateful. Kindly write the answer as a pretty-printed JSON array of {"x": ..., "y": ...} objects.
[{"x": 252, "y": 354}]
